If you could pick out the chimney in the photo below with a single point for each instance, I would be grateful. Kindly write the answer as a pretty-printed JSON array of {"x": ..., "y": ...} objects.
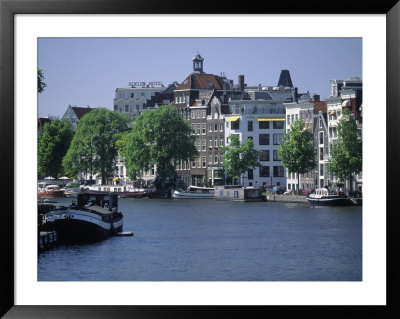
[{"x": 241, "y": 82}]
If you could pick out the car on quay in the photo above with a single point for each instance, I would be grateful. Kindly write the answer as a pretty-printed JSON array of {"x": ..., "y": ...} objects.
[{"x": 279, "y": 190}]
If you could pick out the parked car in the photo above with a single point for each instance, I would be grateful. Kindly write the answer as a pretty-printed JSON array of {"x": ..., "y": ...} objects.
[
  {"x": 278, "y": 190},
  {"x": 307, "y": 191}
]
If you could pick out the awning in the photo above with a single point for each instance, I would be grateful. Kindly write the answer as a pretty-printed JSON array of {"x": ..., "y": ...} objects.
[
  {"x": 232, "y": 119},
  {"x": 115, "y": 179},
  {"x": 346, "y": 103},
  {"x": 262, "y": 119}
]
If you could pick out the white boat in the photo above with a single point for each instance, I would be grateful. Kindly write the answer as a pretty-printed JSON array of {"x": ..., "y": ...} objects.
[
  {"x": 194, "y": 192},
  {"x": 93, "y": 218},
  {"x": 321, "y": 197},
  {"x": 72, "y": 192},
  {"x": 51, "y": 191}
]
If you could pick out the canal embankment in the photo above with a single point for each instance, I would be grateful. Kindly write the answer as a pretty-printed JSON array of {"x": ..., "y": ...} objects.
[{"x": 286, "y": 198}]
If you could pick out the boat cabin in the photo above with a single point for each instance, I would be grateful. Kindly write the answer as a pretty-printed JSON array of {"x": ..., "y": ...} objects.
[{"x": 108, "y": 201}]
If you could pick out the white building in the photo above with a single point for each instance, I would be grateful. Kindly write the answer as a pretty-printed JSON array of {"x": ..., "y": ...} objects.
[
  {"x": 264, "y": 122},
  {"x": 75, "y": 113},
  {"x": 303, "y": 109},
  {"x": 133, "y": 100}
]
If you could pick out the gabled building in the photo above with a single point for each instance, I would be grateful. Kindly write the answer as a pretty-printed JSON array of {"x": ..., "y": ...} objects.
[
  {"x": 202, "y": 99},
  {"x": 75, "y": 113}
]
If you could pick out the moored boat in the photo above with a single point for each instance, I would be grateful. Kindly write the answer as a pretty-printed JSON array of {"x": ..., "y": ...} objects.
[
  {"x": 93, "y": 218},
  {"x": 321, "y": 197},
  {"x": 51, "y": 191},
  {"x": 194, "y": 192},
  {"x": 121, "y": 190}
]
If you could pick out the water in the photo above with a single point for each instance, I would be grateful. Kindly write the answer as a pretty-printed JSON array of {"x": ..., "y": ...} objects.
[{"x": 208, "y": 240}]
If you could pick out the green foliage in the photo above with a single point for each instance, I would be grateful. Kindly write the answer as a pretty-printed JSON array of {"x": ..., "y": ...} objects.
[
  {"x": 53, "y": 144},
  {"x": 40, "y": 79},
  {"x": 346, "y": 153},
  {"x": 93, "y": 148},
  {"x": 239, "y": 158},
  {"x": 297, "y": 150},
  {"x": 159, "y": 138}
]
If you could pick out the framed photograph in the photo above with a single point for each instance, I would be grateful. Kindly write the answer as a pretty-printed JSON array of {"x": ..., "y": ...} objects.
[{"x": 28, "y": 29}]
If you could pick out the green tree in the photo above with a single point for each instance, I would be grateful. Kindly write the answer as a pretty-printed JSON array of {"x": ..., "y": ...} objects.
[
  {"x": 238, "y": 158},
  {"x": 160, "y": 138},
  {"x": 93, "y": 148},
  {"x": 346, "y": 152},
  {"x": 40, "y": 79},
  {"x": 53, "y": 144},
  {"x": 297, "y": 150}
]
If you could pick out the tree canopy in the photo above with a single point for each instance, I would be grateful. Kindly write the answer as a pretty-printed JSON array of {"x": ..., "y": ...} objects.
[
  {"x": 297, "y": 150},
  {"x": 40, "y": 79},
  {"x": 346, "y": 152},
  {"x": 238, "y": 158},
  {"x": 160, "y": 138},
  {"x": 53, "y": 144},
  {"x": 93, "y": 148}
]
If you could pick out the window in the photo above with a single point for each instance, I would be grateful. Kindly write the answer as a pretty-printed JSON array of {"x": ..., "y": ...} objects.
[
  {"x": 321, "y": 169},
  {"x": 126, "y": 108},
  {"x": 264, "y": 139},
  {"x": 221, "y": 141},
  {"x": 193, "y": 128},
  {"x": 321, "y": 153},
  {"x": 198, "y": 145},
  {"x": 250, "y": 126},
  {"x": 216, "y": 158},
  {"x": 278, "y": 125},
  {"x": 221, "y": 127},
  {"x": 203, "y": 145},
  {"x": 235, "y": 125},
  {"x": 203, "y": 114},
  {"x": 115, "y": 107},
  {"x": 276, "y": 156},
  {"x": 263, "y": 125},
  {"x": 215, "y": 141},
  {"x": 297, "y": 116},
  {"x": 279, "y": 171},
  {"x": 250, "y": 174},
  {"x": 203, "y": 128},
  {"x": 192, "y": 114},
  {"x": 132, "y": 95},
  {"x": 264, "y": 171},
  {"x": 198, "y": 129},
  {"x": 209, "y": 127},
  {"x": 288, "y": 119},
  {"x": 215, "y": 127},
  {"x": 210, "y": 158},
  {"x": 277, "y": 139},
  {"x": 292, "y": 118},
  {"x": 264, "y": 155},
  {"x": 199, "y": 162},
  {"x": 210, "y": 144},
  {"x": 203, "y": 161},
  {"x": 320, "y": 123},
  {"x": 321, "y": 137}
]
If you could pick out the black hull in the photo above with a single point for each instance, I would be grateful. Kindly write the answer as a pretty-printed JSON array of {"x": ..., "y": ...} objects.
[
  {"x": 344, "y": 201},
  {"x": 71, "y": 231}
]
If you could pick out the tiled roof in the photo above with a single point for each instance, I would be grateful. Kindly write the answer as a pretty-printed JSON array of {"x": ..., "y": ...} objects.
[
  {"x": 42, "y": 121},
  {"x": 202, "y": 81},
  {"x": 81, "y": 111},
  {"x": 320, "y": 106}
]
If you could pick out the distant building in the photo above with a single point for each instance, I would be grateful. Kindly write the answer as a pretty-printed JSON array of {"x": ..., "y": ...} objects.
[
  {"x": 75, "y": 113},
  {"x": 141, "y": 96}
]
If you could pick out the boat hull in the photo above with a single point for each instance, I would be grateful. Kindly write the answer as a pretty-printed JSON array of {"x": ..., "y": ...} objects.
[
  {"x": 189, "y": 195},
  {"x": 338, "y": 201},
  {"x": 78, "y": 226},
  {"x": 51, "y": 194}
]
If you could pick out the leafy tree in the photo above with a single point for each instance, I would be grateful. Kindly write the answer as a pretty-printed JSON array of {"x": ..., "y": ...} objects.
[
  {"x": 297, "y": 150},
  {"x": 53, "y": 144},
  {"x": 160, "y": 138},
  {"x": 41, "y": 84},
  {"x": 239, "y": 158},
  {"x": 93, "y": 148},
  {"x": 346, "y": 153}
]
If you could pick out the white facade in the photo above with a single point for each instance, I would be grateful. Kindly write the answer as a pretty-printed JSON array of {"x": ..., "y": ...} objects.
[
  {"x": 303, "y": 109},
  {"x": 264, "y": 122},
  {"x": 132, "y": 101}
]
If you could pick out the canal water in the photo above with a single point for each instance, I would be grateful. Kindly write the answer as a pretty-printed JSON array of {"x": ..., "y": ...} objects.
[{"x": 208, "y": 240}]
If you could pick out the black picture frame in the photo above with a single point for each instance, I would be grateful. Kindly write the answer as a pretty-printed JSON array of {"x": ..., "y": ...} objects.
[{"x": 9, "y": 8}]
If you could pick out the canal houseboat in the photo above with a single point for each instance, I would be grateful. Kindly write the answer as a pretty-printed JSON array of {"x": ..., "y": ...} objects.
[
  {"x": 92, "y": 218},
  {"x": 321, "y": 197},
  {"x": 194, "y": 192},
  {"x": 122, "y": 191}
]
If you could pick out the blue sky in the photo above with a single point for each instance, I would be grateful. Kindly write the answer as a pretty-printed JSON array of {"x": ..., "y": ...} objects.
[{"x": 86, "y": 71}]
